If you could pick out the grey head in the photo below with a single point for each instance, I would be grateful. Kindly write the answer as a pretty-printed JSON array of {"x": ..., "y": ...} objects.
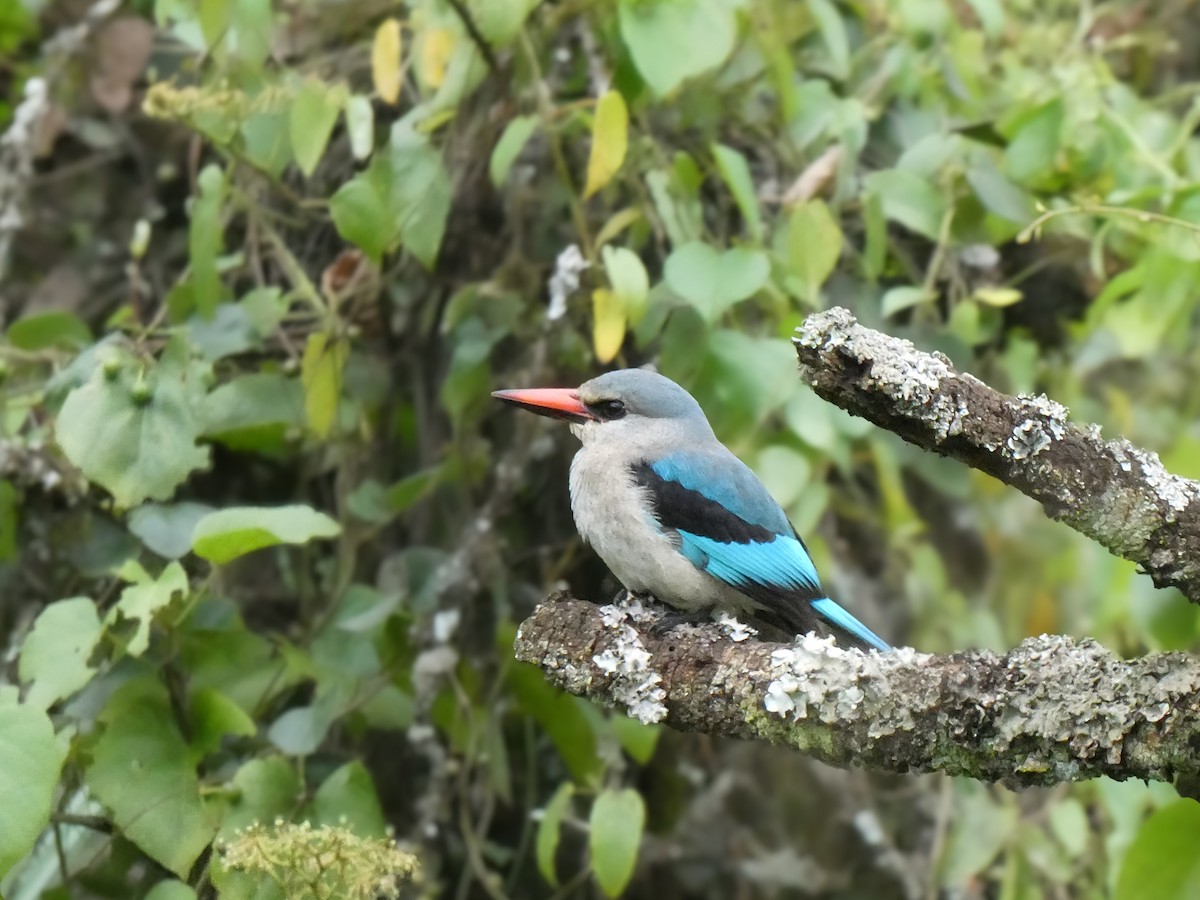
[{"x": 636, "y": 406}]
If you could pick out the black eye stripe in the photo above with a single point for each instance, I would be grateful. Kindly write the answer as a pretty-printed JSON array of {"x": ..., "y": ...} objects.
[{"x": 607, "y": 410}]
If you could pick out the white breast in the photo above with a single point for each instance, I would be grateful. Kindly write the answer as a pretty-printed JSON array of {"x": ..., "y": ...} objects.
[{"x": 612, "y": 514}]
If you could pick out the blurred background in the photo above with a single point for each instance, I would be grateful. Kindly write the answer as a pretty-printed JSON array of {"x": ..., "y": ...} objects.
[{"x": 258, "y": 255}]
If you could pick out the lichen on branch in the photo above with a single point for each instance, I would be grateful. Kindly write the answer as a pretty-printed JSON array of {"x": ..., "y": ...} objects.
[
  {"x": 1051, "y": 710},
  {"x": 1111, "y": 491}
]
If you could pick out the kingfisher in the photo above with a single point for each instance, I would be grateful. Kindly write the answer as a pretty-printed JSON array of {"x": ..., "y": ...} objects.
[{"x": 674, "y": 514}]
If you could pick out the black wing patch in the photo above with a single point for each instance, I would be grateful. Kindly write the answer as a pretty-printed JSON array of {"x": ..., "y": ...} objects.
[{"x": 682, "y": 509}]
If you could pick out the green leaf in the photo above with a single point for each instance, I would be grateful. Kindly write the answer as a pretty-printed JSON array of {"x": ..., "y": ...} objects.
[
  {"x": 410, "y": 490},
  {"x": 314, "y": 113},
  {"x": 711, "y": 280},
  {"x": 166, "y": 528},
  {"x": 141, "y": 771},
  {"x": 671, "y": 42},
  {"x": 52, "y": 329},
  {"x": 638, "y": 738},
  {"x": 321, "y": 372},
  {"x": 814, "y": 246},
  {"x": 1070, "y": 826},
  {"x": 300, "y": 731},
  {"x": 910, "y": 200},
  {"x": 1000, "y": 195},
  {"x": 500, "y": 21},
  {"x": 736, "y": 173},
  {"x": 254, "y": 411},
  {"x": 903, "y": 297},
  {"x": 833, "y": 33},
  {"x": 228, "y": 331},
  {"x": 610, "y": 140},
  {"x": 171, "y": 890},
  {"x": 420, "y": 196},
  {"x": 133, "y": 434},
  {"x": 54, "y": 658},
  {"x": 361, "y": 217},
  {"x": 984, "y": 825},
  {"x": 266, "y": 142},
  {"x": 1031, "y": 156},
  {"x": 875, "y": 227},
  {"x": 516, "y": 135},
  {"x": 560, "y": 717},
  {"x": 228, "y": 533},
  {"x": 628, "y": 279},
  {"x": 266, "y": 789},
  {"x": 616, "y": 824},
  {"x": 403, "y": 198},
  {"x": 30, "y": 760},
  {"x": 550, "y": 831},
  {"x": 1162, "y": 862},
  {"x": 214, "y": 20},
  {"x": 213, "y": 716},
  {"x": 349, "y": 793},
  {"x": 785, "y": 471},
  {"x": 141, "y": 602}
]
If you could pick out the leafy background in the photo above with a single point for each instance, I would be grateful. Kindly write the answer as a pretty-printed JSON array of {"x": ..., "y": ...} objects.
[{"x": 265, "y": 542}]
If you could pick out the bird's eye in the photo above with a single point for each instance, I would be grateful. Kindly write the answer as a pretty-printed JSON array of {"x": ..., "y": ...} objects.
[{"x": 608, "y": 410}]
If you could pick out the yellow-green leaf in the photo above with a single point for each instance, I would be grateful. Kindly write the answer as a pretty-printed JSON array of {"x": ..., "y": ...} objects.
[
  {"x": 386, "y": 55},
  {"x": 434, "y": 47},
  {"x": 629, "y": 281},
  {"x": 550, "y": 830},
  {"x": 608, "y": 326},
  {"x": 321, "y": 375},
  {"x": 998, "y": 296},
  {"x": 610, "y": 140},
  {"x": 814, "y": 245},
  {"x": 313, "y": 114}
]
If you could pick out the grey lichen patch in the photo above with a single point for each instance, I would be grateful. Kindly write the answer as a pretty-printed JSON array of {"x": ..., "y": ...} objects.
[
  {"x": 1079, "y": 702},
  {"x": 910, "y": 378},
  {"x": 1120, "y": 519},
  {"x": 1028, "y": 439},
  {"x": 733, "y": 629},
  {"x": 895, "y": 711},
  {"x": 635, "y": 685},
  {"x": 1176, "y": 492},
  {"x": 1046, "y": 423},
  {"x": 826, "y": 330}
]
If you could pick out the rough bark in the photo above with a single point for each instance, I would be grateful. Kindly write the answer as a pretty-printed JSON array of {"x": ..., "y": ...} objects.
[
  {"x": 1049, "y": 711},
  {"x": 1115, "y": 493}
]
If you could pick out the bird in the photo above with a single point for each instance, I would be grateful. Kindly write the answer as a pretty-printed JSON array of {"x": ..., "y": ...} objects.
[{"x": 675, "y": 514}]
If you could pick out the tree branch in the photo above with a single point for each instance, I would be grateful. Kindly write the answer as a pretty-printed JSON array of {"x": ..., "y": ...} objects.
[
  {"x": 1111, "y": 491},
  {"x": 1049, "y": 711}
]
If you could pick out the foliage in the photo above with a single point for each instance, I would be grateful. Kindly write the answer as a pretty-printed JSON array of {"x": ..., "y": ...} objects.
[
  {"x": 322, "y": 863},
  {"x": 264, "y": 544}
]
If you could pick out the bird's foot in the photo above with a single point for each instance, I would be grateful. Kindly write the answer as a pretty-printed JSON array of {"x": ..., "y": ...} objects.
[
  {"x": 625, "y": 596},
  {"x": 673, "y": 620}
]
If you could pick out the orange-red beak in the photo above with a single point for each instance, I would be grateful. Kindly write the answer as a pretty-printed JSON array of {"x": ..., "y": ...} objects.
[{"x": 557, "y": 403}]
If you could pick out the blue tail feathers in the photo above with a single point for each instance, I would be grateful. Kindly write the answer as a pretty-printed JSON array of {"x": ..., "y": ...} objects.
[{"x": 835, "y": 615}]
